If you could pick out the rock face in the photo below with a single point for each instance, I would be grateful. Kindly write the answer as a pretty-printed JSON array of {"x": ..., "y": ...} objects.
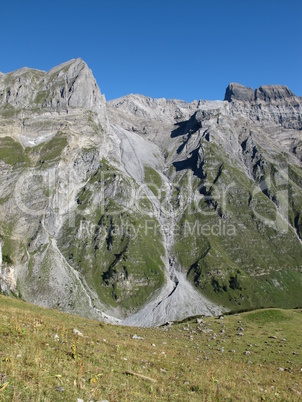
[
  {"x": 145, "y": 210},
  {"x": 70, "y": 85},
  {"x": 268, "y": 103},
  {"x": 239, "y": 92},
  {"x": 265, "y": 93}
]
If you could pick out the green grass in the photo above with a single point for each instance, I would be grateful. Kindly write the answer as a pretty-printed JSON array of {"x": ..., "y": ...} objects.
[
  {"x": 11, "y": 152},
  {"x": 10, "y": 246},
  {"x": 46, "y": 154},
  {"x": 50, "y": 152},
  {"x": 153, "y": 180},
  {"x": 268, "y": 316},
  {"x": 8, "y": 111},
  {"x": 119, "y": 259},
  {"x": 41, "y": 359},
  {"x": 41, "y": 97}
]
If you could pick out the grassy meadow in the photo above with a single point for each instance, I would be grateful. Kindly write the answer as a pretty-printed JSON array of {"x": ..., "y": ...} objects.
[{"x": 46, "y": 355}]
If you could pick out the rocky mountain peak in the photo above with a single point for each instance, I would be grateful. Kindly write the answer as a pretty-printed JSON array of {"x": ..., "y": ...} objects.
[
  {"x": 265, "y": 93},
  {"x": 275, "y": 104},
  {"x": 69, "y": 85},
  {"x": 72, "y": 66},
  {"x": 238, "y": 92},
  {"x": 270, "y": 93}
]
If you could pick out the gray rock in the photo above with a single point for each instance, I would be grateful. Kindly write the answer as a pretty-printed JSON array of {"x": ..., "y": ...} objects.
[
  {"x": 137, "y": 337},
  {"x": 77, "y": 332},
  {"x": 268, "y": 103},
  {"x": 238, "y": 92},
  {"x": 271, "y": 93}
]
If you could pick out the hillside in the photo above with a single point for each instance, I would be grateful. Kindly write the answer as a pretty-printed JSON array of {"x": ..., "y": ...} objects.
[
  {"x": 50, "y": 356},
  {"x": 143, "y": 211}
]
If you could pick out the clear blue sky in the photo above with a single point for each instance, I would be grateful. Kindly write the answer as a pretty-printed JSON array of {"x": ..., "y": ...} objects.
[{"x": 185, "y": 49}]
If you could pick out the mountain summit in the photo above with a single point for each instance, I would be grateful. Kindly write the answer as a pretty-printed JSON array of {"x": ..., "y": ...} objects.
[{"x": 143, "y": 210}]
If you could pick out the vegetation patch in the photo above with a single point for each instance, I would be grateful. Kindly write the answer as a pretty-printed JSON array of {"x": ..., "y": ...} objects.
[
  {"x": 153, "y": 180},
  {"x": 50, "y": 152},
  {"x": 268, "y": 316},
  {"x": 113, "y": 244},
  {"x": 11, "y": 152},
  {"x": 51, "y": 356},
  {"x": 8, "y": 111}
]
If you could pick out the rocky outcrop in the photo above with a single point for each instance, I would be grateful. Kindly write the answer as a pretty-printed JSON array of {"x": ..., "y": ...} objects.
[
  {"x": 268, "y": 103},
  {"x": 239, "y": 92},
  {"x": 70, "y": 85},
  {"x": 265, "y": 93},
  {"x": 275, "y": 93}
]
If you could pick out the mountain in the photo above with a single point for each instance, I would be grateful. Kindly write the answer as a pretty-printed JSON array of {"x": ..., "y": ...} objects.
[{"x": 142, "y": 210}]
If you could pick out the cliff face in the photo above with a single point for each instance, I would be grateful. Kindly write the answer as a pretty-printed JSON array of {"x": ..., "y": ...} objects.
[
  {"x": 148, "y": 210},
  {"x": 268, "y": 104},
  {"x": 70, "y": 85}
]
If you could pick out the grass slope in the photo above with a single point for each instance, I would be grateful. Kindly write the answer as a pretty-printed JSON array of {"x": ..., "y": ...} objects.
[{"x": 42, "y": 359}]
